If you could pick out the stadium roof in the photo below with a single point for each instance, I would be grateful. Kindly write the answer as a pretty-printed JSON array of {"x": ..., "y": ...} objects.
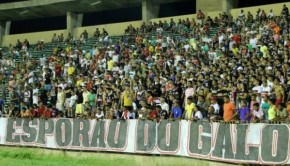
[{"x": 48, "y": 8}]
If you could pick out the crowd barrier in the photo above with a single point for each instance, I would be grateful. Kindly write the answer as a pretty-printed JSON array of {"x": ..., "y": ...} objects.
[{"x": 252, "y": 143}]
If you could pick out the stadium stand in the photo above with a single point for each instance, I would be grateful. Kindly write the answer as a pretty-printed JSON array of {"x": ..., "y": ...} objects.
[{"x": 205, "y": 68}]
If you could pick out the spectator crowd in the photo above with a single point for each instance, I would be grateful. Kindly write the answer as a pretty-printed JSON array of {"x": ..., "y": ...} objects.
[{"x": 165, "y": 70}]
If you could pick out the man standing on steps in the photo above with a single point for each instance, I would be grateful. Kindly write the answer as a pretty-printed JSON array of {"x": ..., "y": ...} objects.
[{"x": 200, "y": 16}]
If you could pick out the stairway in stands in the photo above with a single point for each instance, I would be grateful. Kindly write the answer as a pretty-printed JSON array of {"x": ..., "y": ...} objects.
[{"x": 213, "y": 31}]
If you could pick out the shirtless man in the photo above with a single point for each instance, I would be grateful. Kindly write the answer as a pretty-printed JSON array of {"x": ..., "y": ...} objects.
[{"x": 279, "y": 92}]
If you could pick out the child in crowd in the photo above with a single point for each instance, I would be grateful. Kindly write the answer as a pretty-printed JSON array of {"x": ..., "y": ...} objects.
[
  {"x": 99, "y": 114},
  {"x": 211, "y": 115},
  {"x": 257, "y": 114},
  {"x": 282, "y": 113},
  {"x": 243, "y": 112}
]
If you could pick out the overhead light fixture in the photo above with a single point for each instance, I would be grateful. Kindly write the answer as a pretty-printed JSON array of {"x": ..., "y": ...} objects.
[
  {"x": 95, "y": 3},
  {"x": 26, "y": 11}
]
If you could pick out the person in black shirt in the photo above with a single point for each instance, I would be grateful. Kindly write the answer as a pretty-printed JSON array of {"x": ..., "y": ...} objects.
[
  {"x": 43, "y": 95},
  {"x": 285, "y": 11},
  {"x": 68, "y": 94},
  {"x": 162, "y": 114},
  {"x": 79, "y": 105},
  {"x": 47, "y": 76}
]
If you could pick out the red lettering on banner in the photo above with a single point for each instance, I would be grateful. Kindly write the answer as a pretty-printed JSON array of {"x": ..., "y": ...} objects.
[
  {"x": 146, "y": 134},
  {"x": 117, "y": 136},
  {"x": 117, "y": 133},
  {"x": 168, "y": 126},
  {"x": 274, "y": 143}
]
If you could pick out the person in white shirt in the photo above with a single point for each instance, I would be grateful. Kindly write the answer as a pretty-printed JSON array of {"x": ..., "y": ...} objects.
[
  {"x": 265, "y": 90},
  {"x": 212, "y": 55},
  {"x": 214, "y": 104},
  {"x": 242, "y": 15},
  {"x": 35, "y": 94},
  {"x": 31, "y": 77},
  {"x": 257, "y": 89},
  {"x": 72, "y": 103},
  {"x": 26, "y": 95},
  {"x": 257, "y": 114},
  {"x": 42, "y": 60},
  {"x": 115, "y": 58},
  {"x": 164, "y": 105},
  {"x": 197, "y": 115},
  {"x": 270, "y": 14},
  {"x": 186, "y": 47},
  {"x": 253, "y": 41},
  {"x": 99, "y": 114},
  {"x": 60, "y": 99},
  {"x": 221, "y": 38}
]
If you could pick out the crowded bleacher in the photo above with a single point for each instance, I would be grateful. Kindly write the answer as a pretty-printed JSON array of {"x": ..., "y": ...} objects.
[{"x": 203, "y": 68}]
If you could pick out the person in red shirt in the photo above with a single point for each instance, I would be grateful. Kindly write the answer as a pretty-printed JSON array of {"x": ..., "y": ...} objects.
[
  {"x": 152, "y": 114},
  {"x": 236, "y": 38},
  {"x": 47, "y": 113},
  {"x": 58, "y": 70},
  {"x": 41, "y": 109},
  {"x": 35, "y": 112}
]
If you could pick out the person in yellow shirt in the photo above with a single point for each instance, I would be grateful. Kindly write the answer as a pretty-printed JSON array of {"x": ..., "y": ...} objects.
[
  {"x": 264, "y": 50},
  {"x": 110, "y": 64},
  {"x": 127, "y": 98},
  {"x": 235, "y": 49},
  {"x": 151, "y": 48},
  {"x": 272, "y": 111},
  {"x": 190, "y": 108},
  {"x": 70, "y": 70},
  {"x": 86, "y": 94},
  {"x": 79, "y": 81}
]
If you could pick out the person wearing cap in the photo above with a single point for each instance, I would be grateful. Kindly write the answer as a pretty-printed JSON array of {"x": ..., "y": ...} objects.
[{"x": 190, "y": 108}]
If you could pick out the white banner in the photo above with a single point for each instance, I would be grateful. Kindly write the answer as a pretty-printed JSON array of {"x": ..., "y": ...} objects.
[{"x": 236, "y": 143}]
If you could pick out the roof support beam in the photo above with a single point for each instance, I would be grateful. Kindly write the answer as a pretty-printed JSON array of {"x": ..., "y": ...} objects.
[
  {"x": 73, "y": 20},
  {"x": 150, "y": 10},
  {"x": 214, "y": 5},
  {"x": 4, "y": 29}
]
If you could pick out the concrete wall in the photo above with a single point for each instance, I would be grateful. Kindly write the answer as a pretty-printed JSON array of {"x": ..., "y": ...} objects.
[
  {"x": 277, "y": 8},
  {"x": 32, "y": 37},
  {"x": 112, "y": 29},
  {"x": 175, "y": 18}
]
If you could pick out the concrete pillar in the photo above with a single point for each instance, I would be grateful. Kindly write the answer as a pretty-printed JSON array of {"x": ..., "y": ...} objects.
[
  {"x": 2, "y": 31},
  {"x": 215, "y": 5},
  {"x": 7, "y": 27},
  {"x": 150, "y": 10},
  {"x": 71, "y": 22},
  {"x": 79, "y": 20}
]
